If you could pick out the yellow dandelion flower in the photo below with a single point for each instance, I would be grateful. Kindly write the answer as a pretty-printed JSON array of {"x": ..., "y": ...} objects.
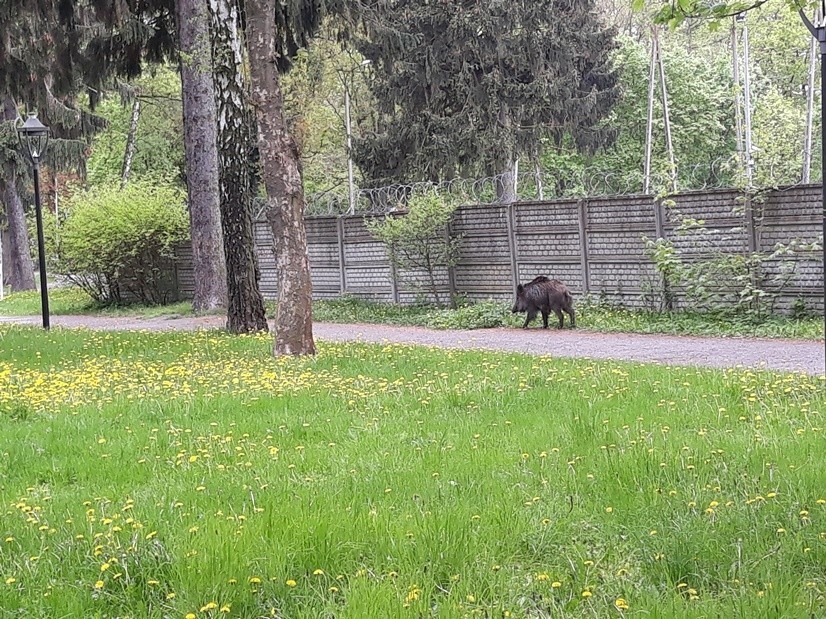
[
  {"x": 587, "y": 594},
  {"x": 209, "y": 606},
  {"x": 556, "y": 584},
  {"x": 621, "y": 604},
  {"x": 99, "y": 584},
  {"x": 11, "y": 580},
  {"x": 225, "y": 608},
  {"x": 318, "y": 572},
  {"x": 291, "y": 583},
  {"x": 255, "y": 580}
]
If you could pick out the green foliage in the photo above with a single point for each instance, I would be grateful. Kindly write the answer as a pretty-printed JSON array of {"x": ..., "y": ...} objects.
[
  {"x": 419, "y": 240},
  {"x": 159, "y": 154},
  {"x": 715, "y": 11},
  {"x": 117, "y": 245},
  {"x": 482, "y": 315},
  {"x": 717, "y": 281},
  {"x": 466, "y": 88},
  {"x": 778, "y": 135},
  {"x": 662, "y": 253},
  {"x": 314, "y": 103}
]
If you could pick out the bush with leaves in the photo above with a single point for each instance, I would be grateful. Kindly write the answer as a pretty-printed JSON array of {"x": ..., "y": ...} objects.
[
  {"x": 745, "y": 283},
  {"x": 419, "y": 240},
  {"x": 117, "y": 245}
]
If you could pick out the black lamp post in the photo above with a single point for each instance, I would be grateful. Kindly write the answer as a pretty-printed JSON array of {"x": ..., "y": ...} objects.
[
  {"x": 34, "y": 138},
  {"x": 819, "y": 33}
]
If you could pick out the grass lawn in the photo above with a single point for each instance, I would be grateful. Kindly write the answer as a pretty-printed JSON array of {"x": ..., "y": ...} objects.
[
  {"x": 192, "y": 475},
  {"x": 483, "y": 315},
  {"x": 72, "y": 301}
]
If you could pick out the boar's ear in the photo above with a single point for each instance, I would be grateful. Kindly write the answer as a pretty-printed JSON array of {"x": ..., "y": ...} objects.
[{"x": 519, "y": 288}]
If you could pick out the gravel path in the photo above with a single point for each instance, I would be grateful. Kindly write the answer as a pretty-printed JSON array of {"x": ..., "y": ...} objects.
[{"x": 774, "y": 354}]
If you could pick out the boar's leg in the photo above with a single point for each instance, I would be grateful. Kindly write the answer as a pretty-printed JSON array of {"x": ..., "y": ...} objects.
[
  {"x": 570, "y": 312},
  {"x": 558, "y": 313},
  {"x": 545, "y": 314},
  {"x": 531, "y": 315}
]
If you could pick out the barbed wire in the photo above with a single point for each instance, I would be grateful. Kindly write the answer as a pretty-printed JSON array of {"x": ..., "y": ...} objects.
[{"x": 721, "y": 173}]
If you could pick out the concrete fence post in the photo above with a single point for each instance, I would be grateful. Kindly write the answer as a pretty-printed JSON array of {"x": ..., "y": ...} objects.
[
  {"x": 659, "y": 219},
  {"x": 582, "y": 210},
  {"x": 342, "y": 272},
  {"x": 451, "y": 268},
  {"x": 512, "y": 244}
]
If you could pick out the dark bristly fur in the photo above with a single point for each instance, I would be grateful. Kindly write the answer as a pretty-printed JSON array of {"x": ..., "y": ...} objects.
[{"x": 544, "y": 295}]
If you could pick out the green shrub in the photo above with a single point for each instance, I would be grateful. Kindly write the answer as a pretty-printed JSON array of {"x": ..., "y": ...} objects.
[
  {"x": 483, "y": 315},
  {"x": 117, "y": 245},
  {"x": 419, "y": 240}
]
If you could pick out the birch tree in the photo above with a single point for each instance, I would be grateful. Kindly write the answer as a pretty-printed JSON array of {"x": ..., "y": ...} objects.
[{"x": 245, "y": 309}]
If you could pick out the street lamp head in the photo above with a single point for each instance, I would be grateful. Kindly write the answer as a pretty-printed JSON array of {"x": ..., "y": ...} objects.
[{"x": 34, "y": 137}]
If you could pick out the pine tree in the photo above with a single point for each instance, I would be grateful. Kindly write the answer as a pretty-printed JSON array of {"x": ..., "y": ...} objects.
[
  {"x": 467, "y": 87},
  {"x": 43, "y": 64}
]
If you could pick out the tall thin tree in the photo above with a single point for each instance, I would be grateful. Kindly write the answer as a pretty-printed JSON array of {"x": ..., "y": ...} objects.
[
  {"x": 19, "y": 268},
  {"x": 200, "y": 126},
  {"x": 282, "y": 178}
]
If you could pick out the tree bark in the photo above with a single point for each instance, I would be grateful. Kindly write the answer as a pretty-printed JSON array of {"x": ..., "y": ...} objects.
[
  {"x": 506, "y": 183},
  {"x": 245, "y": 312},
  {"x": 19, "y": 269},
  {"x": 200, "y": 126},
  {"x": 281, "y": 167},
  {"x": 131, "y": 139}
]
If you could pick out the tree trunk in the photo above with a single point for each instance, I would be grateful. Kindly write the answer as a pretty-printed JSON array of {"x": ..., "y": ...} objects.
[
  {"x": 200, "y": 126},
  {"x": 245, "y": 312},
  {"x": 19, "y": 270},
  {"x": 285, "y": 190},
  {"x": 506, "y": 183},
  {"x": 131, "y": 140}
]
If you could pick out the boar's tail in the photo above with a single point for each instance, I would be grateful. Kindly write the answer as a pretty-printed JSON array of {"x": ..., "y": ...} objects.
[{"x": 568, "y": 298}]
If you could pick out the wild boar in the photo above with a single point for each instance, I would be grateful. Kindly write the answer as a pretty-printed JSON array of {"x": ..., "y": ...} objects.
[{"x": 544, "y": 295}]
